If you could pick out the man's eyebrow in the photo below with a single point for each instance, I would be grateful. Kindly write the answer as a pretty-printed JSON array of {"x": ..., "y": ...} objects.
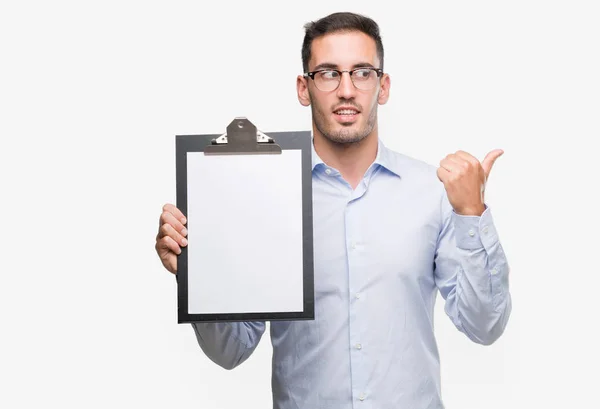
[
  {"x": 327, "y": 65},
  {"x": 363, "y": 65}
]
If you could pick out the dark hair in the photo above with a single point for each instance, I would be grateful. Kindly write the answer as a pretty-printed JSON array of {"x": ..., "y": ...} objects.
[{"x": 335, "y": 22}]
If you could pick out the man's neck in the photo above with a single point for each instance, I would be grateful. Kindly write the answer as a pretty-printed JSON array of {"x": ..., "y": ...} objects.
[{"x": 351, "y": 159}]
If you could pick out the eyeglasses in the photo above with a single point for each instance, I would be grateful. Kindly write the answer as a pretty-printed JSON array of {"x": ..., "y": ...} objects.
[{"x": 328, "y": 79}]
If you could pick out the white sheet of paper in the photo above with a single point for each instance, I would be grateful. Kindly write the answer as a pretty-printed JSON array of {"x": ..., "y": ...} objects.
[{"x": 245, "y": 250}]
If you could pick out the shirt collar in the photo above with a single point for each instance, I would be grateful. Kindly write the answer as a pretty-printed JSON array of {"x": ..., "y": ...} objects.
[
  {"x": 316, "y": 159},
  {"x": 384, "y": 158}
]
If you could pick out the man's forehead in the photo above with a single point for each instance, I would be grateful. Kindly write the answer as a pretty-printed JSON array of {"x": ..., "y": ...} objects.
[{"x": 344, "y": 49}]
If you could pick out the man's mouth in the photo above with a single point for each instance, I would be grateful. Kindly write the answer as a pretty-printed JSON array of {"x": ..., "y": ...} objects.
[{"x": 346, "y": 114}]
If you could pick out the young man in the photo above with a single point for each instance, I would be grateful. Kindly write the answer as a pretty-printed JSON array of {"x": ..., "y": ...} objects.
[{"x": 389, "y": 232}]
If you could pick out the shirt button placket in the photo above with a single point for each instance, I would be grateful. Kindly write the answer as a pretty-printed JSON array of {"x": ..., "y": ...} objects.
[{"x": 352, "y": 236}]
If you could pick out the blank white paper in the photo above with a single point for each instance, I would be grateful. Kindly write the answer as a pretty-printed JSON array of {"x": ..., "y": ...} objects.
[{"x": 245, "y": 252}]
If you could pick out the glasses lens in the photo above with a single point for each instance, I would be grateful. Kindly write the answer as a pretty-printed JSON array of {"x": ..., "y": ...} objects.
[
  {"x": 364, "y": 79},
  {"x": 327, "y": 80}
]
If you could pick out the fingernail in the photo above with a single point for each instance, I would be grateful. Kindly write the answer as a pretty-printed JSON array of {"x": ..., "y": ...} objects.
[
  {"x": 183, "y": 220},
  {"x": 184, "y": 231},
  {"x": 184, "y": 242}
]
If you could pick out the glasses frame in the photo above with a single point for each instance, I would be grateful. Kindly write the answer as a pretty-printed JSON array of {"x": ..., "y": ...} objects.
[{"x": 311, "y": 75}]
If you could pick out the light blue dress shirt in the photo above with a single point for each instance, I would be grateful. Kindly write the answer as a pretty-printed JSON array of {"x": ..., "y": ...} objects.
[{"x": 381, "y": 253}]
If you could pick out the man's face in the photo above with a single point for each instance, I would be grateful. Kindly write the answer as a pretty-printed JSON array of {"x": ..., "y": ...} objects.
[{"x": 346, "y": 114}]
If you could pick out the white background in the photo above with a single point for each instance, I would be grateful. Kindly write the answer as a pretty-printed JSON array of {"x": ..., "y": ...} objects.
[{"x": 92, "y": 95}]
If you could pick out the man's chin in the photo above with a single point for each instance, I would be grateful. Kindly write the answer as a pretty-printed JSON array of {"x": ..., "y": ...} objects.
[{"x": 345, "y": 137}]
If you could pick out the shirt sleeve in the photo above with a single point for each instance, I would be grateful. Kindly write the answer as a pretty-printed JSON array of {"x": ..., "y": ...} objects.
[
  {"x": 471, "y": 272},
  {"x": 228, "y": 344}
]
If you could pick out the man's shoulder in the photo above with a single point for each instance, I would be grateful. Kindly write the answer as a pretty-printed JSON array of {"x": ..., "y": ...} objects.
[
  {"x": 411, "y": 166},
  {"x": 419, "y": 176}
]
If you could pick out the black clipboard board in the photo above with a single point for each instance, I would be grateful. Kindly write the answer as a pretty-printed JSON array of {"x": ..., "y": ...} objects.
[{"x": 243, "y": 141}]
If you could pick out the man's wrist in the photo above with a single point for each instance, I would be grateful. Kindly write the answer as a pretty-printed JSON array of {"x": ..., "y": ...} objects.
[{"x": 471, "y": 211}]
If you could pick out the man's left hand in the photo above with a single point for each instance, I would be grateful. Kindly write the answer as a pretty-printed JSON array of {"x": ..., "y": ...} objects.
[{"x": 464, "y": 178}]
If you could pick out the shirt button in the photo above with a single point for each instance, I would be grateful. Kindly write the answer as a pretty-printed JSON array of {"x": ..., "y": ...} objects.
[
  {"x": 353, "y": 245},
  {"x": 328, "y": 171},
  {"x": 471, "y": 233},
  {"x": 358, "y": 346},
  {"x": 493, "y": 271},
  {"x": 357, "y": 295},
  {"x": 362, "y": 397},
  {"x": 485, "y": 230}
]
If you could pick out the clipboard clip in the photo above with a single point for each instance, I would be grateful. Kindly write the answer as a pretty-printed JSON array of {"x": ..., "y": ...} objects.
[{"x": 242, "y": 138}]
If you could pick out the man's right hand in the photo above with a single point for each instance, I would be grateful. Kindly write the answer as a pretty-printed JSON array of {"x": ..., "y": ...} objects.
[{"x": 171, "y": 236}]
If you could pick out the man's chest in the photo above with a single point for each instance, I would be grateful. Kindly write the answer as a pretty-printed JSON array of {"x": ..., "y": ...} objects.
[{"x": 381, "y": 235}]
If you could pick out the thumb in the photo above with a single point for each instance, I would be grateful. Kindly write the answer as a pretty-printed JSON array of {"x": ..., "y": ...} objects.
[{"x": 489, "y": 160}]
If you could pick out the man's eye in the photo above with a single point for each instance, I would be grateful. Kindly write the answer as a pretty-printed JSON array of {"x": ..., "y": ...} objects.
[
  {"x": 329, "y": 75},
  {"x": 362, "y": 74}
]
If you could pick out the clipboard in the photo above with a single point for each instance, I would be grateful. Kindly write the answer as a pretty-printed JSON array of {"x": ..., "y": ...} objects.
[{"x": 247, "y": 198}]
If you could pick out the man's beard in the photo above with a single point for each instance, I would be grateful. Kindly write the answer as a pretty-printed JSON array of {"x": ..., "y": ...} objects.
[{"x": 346, "y": 135}]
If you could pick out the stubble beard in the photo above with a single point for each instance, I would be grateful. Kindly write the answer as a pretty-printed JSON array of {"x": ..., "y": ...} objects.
[{"x": 346, "y": 135}]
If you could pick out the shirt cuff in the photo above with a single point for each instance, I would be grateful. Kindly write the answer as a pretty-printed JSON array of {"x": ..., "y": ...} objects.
[{"x": 475, "y": 232}]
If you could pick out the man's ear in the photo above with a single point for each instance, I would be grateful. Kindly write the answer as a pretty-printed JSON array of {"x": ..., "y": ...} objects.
[
  {"x": 302, "y": 89},
  {"x": 384, "y": 89}
]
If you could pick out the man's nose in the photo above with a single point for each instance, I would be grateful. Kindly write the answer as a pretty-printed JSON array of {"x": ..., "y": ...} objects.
[{"x": 346, "y": 88}]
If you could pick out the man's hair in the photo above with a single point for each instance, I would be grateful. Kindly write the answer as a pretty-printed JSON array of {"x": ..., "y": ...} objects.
[{"x": 340, "y": 22}]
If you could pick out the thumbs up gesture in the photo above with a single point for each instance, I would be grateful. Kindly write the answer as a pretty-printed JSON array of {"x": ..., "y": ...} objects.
[{"x": 464, "y": 178}]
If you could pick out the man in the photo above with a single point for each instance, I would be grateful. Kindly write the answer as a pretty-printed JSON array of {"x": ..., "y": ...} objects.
[{"x": 389, "y": 232}]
